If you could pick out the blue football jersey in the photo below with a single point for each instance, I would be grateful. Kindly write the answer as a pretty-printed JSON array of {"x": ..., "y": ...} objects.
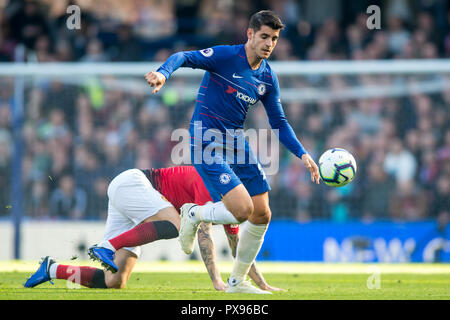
[{"x": 230, "y": 87}]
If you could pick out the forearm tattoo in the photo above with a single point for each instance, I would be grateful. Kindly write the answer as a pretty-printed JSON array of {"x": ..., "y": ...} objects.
[
  {"x": 207, "y": 250},
  {"x": 232, "y": 241}
]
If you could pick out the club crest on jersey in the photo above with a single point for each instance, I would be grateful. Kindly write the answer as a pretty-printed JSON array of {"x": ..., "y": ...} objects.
[
  {"x": 207, "y": 52},
  {"x": 261, "y": 89},
  {"x": 224, "y": 178}
]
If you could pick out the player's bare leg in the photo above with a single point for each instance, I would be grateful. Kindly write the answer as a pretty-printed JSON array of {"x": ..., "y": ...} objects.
[
  {"x": 236, "y": 207},
  {"x": 261, "y": 213},
  {"x": 125, "y": 260},
  {"x": 239, "y": 203},
  {"x": 249, "y": 244}
]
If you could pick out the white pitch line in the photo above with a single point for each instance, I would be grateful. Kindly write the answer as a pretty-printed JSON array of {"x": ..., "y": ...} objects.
[{"x": 265, "y": 267}]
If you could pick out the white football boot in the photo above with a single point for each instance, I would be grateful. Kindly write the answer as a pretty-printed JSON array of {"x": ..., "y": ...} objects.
[
  {"x": 188, "y": 227},
  {"x": 244, "y": 287}
]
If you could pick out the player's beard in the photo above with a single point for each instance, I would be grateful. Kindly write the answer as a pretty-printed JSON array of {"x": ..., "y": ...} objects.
[
  {"x": 264, "y": 57},
  {"x": 255, "y": 49}
]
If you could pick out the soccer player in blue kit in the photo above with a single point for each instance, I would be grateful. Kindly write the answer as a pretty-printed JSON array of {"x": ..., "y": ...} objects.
[{"x": 236, "y": 77}]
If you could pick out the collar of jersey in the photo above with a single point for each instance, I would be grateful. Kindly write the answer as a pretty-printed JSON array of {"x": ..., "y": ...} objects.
[{"x": 261, "y": 66}]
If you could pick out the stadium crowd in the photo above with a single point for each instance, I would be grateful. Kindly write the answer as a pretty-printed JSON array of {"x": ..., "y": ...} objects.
[
  {"x": 77, "y": 138},
  {"x": 138, "y": 30}
]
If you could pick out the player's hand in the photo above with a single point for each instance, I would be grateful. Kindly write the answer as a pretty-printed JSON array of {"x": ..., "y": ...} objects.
[
  {"x": 309, "y": 163},
  {"x": 155, "y": 79},
  {"x": 219, "y": 285}
]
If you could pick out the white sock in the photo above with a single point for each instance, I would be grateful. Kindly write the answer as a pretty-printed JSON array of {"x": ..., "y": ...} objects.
[
  {"x": 251, "y": 240},
  {"x": 52, "y": 270},
  {"x": 216, "y": 213}
]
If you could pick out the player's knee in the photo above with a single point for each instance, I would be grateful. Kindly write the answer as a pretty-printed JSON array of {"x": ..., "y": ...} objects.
[
  {"x": 244, "y": 212},
  {"x": 261, "y": 216}
]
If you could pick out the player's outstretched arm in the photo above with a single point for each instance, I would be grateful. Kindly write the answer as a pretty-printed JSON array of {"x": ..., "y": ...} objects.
[
  {"x": 253, "y": 273},
  {"x": 208, "y": 254},
  {"x": 155, "y": 79},
  {"x": 206, "y": 59}
]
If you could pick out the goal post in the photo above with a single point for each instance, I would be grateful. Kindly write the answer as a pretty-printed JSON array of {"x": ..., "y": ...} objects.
[{"x": 281, "y": 68}]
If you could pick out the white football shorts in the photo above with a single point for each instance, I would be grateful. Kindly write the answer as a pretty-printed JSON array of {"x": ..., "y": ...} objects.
[{"x": 132, "y": 199}]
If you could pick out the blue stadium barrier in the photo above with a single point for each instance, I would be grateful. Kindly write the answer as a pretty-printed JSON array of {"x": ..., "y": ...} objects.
[{"x": 387, "y": 242}]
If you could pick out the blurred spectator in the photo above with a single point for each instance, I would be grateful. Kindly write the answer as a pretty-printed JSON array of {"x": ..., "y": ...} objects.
[
  {"x": 440, "y": 208},
  {"x": 86, "y": 167},
  {"x": 400, "y": 163},
  {"x": 67, "y": 201},
  {"x": 97, "y": 200},
  {"x": 366, "y": 116},
  {"x": 161, "y": 147},
  {"x": 284, "y": 50},
  {"x": 39, "y": 160},
  {"x": 5, "y": 169},
  {"x": 7, "y": 46},
  {"x": 186, "y": 12},
  {"x": 139, "y": 30},
  {"x": 63, "y": 52},
  {"x": 317, "y": 12},
  {"x": 339, "y": 200},
  {"x": 28, "y": 22},
  {"x": 59, "y": 96},
  {"x": 60, "y": 164},
  {"x": 303, "y": 205},
  {"x": 114, "y": 162},
  {"x": 398, "y": 34},
  {"x": 429, "y": 169},
  {"x": 409, "y": 203},
  {"x": 94, "y": 52},
  {"x": 57, "y": 128},
  {"x": 281, "y": 200},
  {"x": 42, "y": 49},
  {"x": 38, "y": 204},
  {"x": 377, "y": 194},
  {"x": 128, "y": 46}
]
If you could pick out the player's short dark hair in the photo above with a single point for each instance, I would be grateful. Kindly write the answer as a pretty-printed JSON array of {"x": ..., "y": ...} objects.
[{"x": 265, "y": 18}]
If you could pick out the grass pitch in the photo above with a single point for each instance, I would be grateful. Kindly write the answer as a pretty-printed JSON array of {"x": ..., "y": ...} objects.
[{"x": 189, "y": 281}]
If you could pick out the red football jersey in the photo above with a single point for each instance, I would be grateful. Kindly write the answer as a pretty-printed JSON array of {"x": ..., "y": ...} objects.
[{"x": 180, "y": 185}]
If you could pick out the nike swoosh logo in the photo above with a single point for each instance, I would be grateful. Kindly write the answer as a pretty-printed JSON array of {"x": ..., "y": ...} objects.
[{"x": 236, "y": 76}]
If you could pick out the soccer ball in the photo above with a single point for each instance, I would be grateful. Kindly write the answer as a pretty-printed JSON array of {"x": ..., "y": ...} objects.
[{"x": 337, "y": 167}]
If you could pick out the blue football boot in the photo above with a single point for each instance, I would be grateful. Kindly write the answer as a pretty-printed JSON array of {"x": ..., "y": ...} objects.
[
  {"x": 105, "y": 256},
  {"x": 41, "y": 275}
]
